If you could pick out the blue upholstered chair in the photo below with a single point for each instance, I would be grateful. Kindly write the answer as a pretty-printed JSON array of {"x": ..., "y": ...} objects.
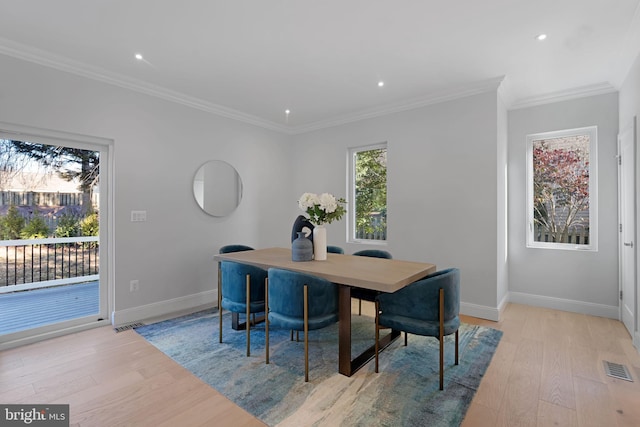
[
  {"x": 335, "y": 249},
  {"x": 427, "y": 307},
  {"x": 367, "y": 294},
  {"x": 240, "y": 290},
  {"x": 299, "y": 302},
  {"x": 225, "y": 250},
  {"x": 374, "y": 253}
]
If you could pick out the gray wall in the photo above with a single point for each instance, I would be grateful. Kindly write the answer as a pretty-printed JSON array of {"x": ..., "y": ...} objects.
[
  {"x": 572, "y": 280},
  {"x": 158, "y": 146},
  {"x": 442, "y": 187}
]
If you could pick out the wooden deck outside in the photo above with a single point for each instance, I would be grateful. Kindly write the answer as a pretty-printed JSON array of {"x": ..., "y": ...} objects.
[{"x": 30, "y": 309}]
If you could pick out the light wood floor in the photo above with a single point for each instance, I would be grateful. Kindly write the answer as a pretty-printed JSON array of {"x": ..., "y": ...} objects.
[{"x": 547, "y": 371}]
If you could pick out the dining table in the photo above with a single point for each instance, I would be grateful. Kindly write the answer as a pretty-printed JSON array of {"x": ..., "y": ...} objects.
[{"x": 348, "y": 271}]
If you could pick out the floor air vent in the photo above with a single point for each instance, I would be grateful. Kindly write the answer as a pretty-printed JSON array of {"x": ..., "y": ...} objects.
[
  {"x": 127, "y": 327},
  {"x": 617, "y": 371}
]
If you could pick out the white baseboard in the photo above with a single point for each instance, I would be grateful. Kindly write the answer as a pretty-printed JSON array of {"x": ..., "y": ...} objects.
[
  {"x": 492, "y": 313},
  {"x": 573, "y": 306},
  {"x": 164, "y": 308},
  {"x": 503, "y": 303},
  {"x": 480, "y": 311},
  {"x": 17, "y": 342}
]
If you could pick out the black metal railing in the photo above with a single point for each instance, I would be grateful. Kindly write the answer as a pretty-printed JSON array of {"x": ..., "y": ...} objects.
[{"x": 43, "y": 260}]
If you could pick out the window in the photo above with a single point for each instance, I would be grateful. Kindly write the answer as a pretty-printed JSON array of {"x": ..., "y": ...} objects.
[
  {"x": 368, "y": 193},
  {"x": 561, "y": 189}
]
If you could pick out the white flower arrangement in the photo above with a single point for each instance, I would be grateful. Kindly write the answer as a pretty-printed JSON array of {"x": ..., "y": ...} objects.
[{"x": 323, "y": 208}]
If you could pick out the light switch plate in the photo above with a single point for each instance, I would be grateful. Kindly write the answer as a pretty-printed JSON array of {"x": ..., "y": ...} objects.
[{"x": 138, "y": 216}]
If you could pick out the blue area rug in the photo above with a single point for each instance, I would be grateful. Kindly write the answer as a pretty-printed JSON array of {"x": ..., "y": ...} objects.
[{"x": 404, "y": 393}]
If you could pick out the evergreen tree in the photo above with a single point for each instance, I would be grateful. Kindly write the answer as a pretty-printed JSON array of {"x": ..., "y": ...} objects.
[
  {"x": 70, "y": 163},
  {"x": 11, "y": 224},
  {"x": 36, "y": 228}
]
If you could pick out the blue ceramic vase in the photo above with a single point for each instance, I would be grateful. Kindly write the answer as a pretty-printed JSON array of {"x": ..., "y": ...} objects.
[{"x": 301, "y": 248}]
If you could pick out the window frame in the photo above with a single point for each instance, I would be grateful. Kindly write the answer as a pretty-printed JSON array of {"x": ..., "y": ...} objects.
[
  {"x": 592, "y": 131},
  {"x": 351, "y": 191}
]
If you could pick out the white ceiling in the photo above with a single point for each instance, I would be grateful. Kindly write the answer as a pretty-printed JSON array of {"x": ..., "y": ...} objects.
[{"x": 253, "y": 59}]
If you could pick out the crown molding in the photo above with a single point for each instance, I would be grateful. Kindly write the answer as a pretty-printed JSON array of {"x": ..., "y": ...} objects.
[
  {"x": 40, "y": 57},
  {"x": 564, "y": 95},
  {"x": 37, "y": 56},
  {"x": 411, "y": 104},
  {"x": 47, "y": 59}
]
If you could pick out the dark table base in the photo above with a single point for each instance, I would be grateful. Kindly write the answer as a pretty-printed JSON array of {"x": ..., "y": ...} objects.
[
  {"x": 346, "y": 365},
  {"x": 238, "y": 326}
]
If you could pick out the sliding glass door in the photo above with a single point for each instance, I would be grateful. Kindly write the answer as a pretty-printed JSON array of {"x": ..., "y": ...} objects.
[{"x": 54, "y": 208}]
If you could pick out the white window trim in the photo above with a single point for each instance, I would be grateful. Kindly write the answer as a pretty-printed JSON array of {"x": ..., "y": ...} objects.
[
  {"x": 351, "y": 191},
  {"x": 592, "y": 131}
]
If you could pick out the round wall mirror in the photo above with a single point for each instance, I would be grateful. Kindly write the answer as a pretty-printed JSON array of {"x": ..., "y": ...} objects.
[{"x": 217, "y": 188}]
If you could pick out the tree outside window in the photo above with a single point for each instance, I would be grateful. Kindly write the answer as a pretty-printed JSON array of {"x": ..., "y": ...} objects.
[
  {"x": 29, "y": 209},
  {"x": 369, "y": 191},
  {"x": 561, "y": 189}
]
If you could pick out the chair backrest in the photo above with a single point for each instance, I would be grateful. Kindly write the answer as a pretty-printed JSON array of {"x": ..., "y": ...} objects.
[
  {"x": 234, "y": 281},
  {"x": 335, "y": 249},
  {"x": 234, "y": 248},
  {"x": 286, "y": 294},
  {"x": 420, "y": 299},
  {"x": 374, "y": 253}
]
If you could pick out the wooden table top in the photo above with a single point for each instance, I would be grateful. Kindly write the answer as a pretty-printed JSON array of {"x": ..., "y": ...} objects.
[{"x": 385, "y": 275}]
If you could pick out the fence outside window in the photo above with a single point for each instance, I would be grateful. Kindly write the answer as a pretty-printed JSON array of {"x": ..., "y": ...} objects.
[
  {"x": 376, "y": 228},
  {"x": 39, "y": 198},
  {"x": 575, "y": 235}
]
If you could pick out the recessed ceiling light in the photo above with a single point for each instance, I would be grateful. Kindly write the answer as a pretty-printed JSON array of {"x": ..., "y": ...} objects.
[
  {"x": 139, "y": 56},
  {"x": 380, "y": 83},
  {"x": 287, "y": 112},
  {"x": 541, "y": 37}
]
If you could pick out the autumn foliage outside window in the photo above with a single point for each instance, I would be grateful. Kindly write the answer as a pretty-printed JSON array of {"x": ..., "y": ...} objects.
[{"x": 560, "y": 187}]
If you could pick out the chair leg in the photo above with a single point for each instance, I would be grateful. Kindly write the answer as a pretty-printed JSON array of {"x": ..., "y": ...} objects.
[
  {"x": 441, "y": 338},
  {"x": 405, "y": 339},
  {"x": 220, "y": 299},
  {"x": 247, "y": 320},
  {"x": 377, "y": 334},
  {"x": 306, "y": 334},
  {"x": 359, "y": 307},
  {"x": 266, "y": 319},
  {"x": 441, "y": 363},
  {"x": 456, "y": 346}
]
